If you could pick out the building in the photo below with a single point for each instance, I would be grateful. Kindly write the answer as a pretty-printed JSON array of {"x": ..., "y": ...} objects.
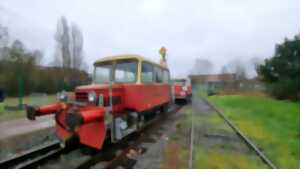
[{"x": 214, "y": 82}]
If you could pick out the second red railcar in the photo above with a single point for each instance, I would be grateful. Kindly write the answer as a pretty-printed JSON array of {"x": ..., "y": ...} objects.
[{"x": 183, "y": 89}]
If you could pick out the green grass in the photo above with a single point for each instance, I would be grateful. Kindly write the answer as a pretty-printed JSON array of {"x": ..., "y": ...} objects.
[
  {"x": 6, "y": 115},
  {"x": 220, "y": 159},
  {"x": 274, "y": 125}
]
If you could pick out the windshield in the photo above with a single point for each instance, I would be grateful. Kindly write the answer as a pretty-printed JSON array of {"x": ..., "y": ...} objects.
[
  {"x": 102, "y": 73},
  {"x": 124, "y": 72}
]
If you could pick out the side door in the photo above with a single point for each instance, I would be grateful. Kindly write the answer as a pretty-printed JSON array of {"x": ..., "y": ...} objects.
[{"x": 147, "y": 87}]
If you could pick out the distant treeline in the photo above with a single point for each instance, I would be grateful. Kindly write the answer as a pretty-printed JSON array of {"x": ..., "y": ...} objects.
[
  {"x": 27, "y": 78},
  {"x": 21, "y": 71},
  {"x": 13, "y": 78}
]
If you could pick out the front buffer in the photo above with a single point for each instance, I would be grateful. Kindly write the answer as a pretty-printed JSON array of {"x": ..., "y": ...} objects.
[{"x": 84, "y": 123}]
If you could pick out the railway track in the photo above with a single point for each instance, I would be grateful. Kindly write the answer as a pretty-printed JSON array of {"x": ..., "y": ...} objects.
[
  {"x": 124, "y": 159},
  {"x": 110, "y": 157},
  {"x": 191, "y": 148},
  {"x": 26, "y": 158},
  {"x": 249, "y": 143}
]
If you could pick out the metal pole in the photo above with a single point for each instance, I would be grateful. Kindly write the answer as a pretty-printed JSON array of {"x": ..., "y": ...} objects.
[
  {"x": 110, "y": 112},
  {"x": 21, "y": 91}
]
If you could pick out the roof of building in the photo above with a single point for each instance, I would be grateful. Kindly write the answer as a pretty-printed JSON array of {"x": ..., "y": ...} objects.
[
  {"x": 127, "y": 56},
  {"x": 213, "y": 77},
  {"x": 179, "y": 79}
]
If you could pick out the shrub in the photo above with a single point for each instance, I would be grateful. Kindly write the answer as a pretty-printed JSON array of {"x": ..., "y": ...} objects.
[{"x": 281, "y": 73}]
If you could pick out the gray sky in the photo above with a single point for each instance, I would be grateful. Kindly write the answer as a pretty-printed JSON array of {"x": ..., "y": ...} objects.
[{"x": 218, "y": 30}]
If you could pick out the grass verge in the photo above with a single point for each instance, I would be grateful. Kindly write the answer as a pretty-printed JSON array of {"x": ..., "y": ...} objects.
[
  {"x": 225, "y": 159},
  {"x": 274, "y": 125},
  {"x": 6, "y": 115}
]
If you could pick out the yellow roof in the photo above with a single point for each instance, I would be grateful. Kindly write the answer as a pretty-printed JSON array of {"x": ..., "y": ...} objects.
[{"x": 126, "y": 56}]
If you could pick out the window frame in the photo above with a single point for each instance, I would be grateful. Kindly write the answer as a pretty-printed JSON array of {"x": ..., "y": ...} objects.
[
  {"x": 111, "y": 71},
  {"x": 155, "y": 68},
  {"x": 168, "y": 73},
  {"x": 153, "y": 73},
  {"x": 120, "y": 61},
  {"x": 113, "y": 64}
]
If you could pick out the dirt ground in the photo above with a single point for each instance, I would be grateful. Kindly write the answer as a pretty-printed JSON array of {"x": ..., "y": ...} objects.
[
  {"x": 216, "y": 146},
  {"x": 161, "y": 153}
]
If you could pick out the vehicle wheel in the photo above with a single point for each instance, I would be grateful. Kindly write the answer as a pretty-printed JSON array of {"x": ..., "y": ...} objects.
[
  {"x": 189, "y": 100},
  {"x": 165, "y": 108}
]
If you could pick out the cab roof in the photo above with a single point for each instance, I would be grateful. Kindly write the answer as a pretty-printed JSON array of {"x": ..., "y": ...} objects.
[{"x": 125, "y": 57}]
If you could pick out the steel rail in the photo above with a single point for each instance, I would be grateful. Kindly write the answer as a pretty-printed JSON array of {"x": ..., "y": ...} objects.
[
  {"x": 34, "y": 162},
  {"x": 110, "y": 164},
  {"x": 250, "y": 143},
  {"x": 190, "y": 164},
  {"x": 136, "y": 145},
  {"x": 29, "y": 154}
]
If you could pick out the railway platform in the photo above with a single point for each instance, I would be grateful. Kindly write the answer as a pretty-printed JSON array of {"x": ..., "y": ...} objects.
[{"x": 20, "y": 135}]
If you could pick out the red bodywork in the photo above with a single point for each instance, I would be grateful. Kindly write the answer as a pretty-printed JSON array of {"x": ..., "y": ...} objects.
[
  {"x": 182, "y": 92},
  {"x": 189, "y": 90},
  {"x": 92, "y": 128}
]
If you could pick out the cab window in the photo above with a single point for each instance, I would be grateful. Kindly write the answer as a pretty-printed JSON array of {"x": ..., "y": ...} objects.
[
  {"x": 158, "y": 74},
  {"x": 147, "y": 72},
  {"x": 102, "y": 73},
  {"x": 166, "y": 76},
  {"x": 125, "y": 71}
]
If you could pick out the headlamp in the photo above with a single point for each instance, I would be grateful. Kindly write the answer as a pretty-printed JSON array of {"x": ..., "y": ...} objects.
[
  {"x": 92, "y": 97},
  {"x": 184, "y": 88}
]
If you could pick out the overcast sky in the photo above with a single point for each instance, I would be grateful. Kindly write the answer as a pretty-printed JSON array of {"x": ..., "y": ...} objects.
[{"x": 218, "y": 30}]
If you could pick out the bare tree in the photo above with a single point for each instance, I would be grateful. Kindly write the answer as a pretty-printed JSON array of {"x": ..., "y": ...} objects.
[
  {"x": 62, "y": 38},
  {"x": 236, "y": 66},
  {"x": 38, "y": 56},
  {"x": 202, "y": 66},
  {"x": 17, "y": 51},
  {"x": 18, "y": 45},
  {"x": 256, "y": 61},
  {"x": 224, "y": 70},
  {"x": 77, "y": 47},
  {"x": 4, "y": 39},
  {"x": 57, "y": 61}
]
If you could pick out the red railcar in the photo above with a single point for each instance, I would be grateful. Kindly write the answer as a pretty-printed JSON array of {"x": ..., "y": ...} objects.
[
  {"x": 183, "y": 89},
  {"x": 127, "y": 92}
]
